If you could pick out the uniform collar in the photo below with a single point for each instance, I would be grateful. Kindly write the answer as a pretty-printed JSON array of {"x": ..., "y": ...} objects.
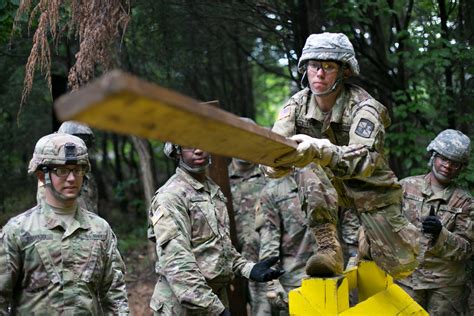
[
  {"x": 315, "y": 112},
  {"x": 81, "y": 221},
  {"x": 210, "y": 185},
  {"x": 444, "y": 195}
]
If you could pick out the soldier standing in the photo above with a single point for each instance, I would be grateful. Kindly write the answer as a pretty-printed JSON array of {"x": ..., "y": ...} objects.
[
  {"x": 58, "y": 258},
  {"x": 284, "y": 232},
  {"x": 442, "y": 211},
  {"x": 246, "y": 182},
  {"x": 195, "y": 257},
  {"x": 341, "y": 128}
]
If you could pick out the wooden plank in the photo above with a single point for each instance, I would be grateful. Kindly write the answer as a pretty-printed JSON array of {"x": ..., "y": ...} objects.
[{"x": 124, "y": 104}]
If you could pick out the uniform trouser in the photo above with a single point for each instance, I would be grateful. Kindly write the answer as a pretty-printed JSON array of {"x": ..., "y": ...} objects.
[
  {"x": 258, "y": 299},
  {"x": 445, "y": 301},
  {"x": 165, "y": 303},
  {"x": 392, "y": 240}
]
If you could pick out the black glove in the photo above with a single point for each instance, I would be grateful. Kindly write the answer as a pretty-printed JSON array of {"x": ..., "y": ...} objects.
[
  {"x": 432, "y": 225},
  {"x": 261, "y": 271},
  {"x": 226, "y": 312}
]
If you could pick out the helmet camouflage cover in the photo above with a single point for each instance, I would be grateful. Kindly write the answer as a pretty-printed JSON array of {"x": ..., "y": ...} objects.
[
  {"x": 452, "y": 144},
  {"x": 78, "y": 129},
  {"x": 59, "y": 149},
  {"x": 171, "y": 150},
  {"x": 329, "y": 46},
  {"x": 75, "y": 128}
]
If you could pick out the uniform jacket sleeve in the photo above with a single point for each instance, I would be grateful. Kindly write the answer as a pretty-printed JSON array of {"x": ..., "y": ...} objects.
[
  {"x": 368, "y": 129},
  {"x": 10, "y": 266},
  {"x": 172, "y": 227},
  {"x": 270, "y": 231},
  {"x": 455, "y": 245},
  {"x": 113, "y": 293}
]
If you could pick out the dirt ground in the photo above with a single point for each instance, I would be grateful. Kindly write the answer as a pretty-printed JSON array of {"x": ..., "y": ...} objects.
[{"x": 140, "y": 279}]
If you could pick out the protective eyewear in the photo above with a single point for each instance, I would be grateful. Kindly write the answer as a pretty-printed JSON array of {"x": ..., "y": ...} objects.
[
  {"x": 448, "y": 162},
  {"x": 327, "y": 66},
  {"x": 63, "y": 172}
]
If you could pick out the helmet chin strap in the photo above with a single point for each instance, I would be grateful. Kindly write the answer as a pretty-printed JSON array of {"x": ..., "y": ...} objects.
[
  {"x": 441, "y": 179},
  {"x": 190, "y": 169}
]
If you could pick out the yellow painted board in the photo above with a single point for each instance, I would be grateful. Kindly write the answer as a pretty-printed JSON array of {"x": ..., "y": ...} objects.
[
  {"x": 371, "y": 279},
  {"x": 391, "y": 301},
  {"x": 122, "y": 103}
]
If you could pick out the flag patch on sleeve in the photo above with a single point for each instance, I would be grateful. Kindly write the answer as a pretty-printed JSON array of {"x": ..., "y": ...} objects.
[
  {"x": 285, "y": 112},
  {"x": 365, "y": 128}
]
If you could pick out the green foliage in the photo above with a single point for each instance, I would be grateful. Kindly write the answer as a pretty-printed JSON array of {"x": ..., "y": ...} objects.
[
  {"x": 270, "y": 93},
  {"x": 131, "y": 237}
]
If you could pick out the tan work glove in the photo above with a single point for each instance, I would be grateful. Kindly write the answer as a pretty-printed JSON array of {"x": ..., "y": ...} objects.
[
  {"x": 277, "y": 296},
  {"x": 309, "y": 149},
  {"x": 320, "y": 151}
]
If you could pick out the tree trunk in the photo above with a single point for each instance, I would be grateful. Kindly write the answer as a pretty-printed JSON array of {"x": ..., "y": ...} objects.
[{"x": 147, "y": 180}]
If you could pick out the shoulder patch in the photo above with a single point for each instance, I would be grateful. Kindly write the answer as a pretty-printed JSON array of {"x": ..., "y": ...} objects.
[
  {"x": 285, "y": 112},
  {"x": 365, "y": 128},
  {"x": 156, "y": 216}
]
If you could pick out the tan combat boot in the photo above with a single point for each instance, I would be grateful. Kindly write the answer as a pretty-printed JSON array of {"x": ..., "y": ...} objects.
[{"x": 328, "y": 260}]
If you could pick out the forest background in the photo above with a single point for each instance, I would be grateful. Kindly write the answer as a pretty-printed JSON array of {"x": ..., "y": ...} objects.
[{"x": 415, "y": 57}]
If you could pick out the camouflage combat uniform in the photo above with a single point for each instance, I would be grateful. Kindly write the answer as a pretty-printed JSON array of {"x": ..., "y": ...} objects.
[
  {"x": 47, "y": 269},
  {"x": 366, "y": 184},
  {"x": 245, "y": 188},
  {"x": 441, "y": 276},
  {"x": 195, "y": 256},
  {"x": 284, "y": 231}
]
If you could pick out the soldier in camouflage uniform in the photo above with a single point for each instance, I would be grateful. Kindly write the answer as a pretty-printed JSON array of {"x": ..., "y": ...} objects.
[
  {"x": 195, "y": 257},
  {"x": 341, "y": 128},
  {"x": 443, "y": 212},
  {"x": 246, "y": 182},
  {"x": 56, "y": 258},
  {"x": 284, "y": 232}
]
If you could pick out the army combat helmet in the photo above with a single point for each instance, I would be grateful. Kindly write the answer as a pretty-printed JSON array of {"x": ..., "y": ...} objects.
[
  {"x": 77, "y": 129},
  {"x": 329, "y": 46},
  {"x": 451, "y": 144},
  {"x": 58, "y": 149}
]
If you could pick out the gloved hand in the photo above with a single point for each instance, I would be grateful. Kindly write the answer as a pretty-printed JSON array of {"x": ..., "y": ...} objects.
[
  {"x": 353, "y": 151},
  {"x": 226, "y": 312},
  {"x": 261, "y": 271},
  {"x": 309, "y": 149},
  {"x": 277, "y": 296},
  {"x": 276, "y": 172},
  {"x": 432, "y": 225}
]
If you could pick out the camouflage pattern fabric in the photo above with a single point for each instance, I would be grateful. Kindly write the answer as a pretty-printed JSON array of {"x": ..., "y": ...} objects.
[
  {"x": 366, "y": 184},
  {"x": 452, "y": 144},
  {"x": 245, "y": 187},
  {"x": 443, "y": 263},
  {"x": 89, "y": 198},
  {"x": 447, "y": 301},
  {"x": 195, "y": 256},
  {"x": 284, "y": 231},
  {"x": 49, "y": 270},
  {"x": 348, "y": 226},
  {"x": 329, "y": 46}
]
